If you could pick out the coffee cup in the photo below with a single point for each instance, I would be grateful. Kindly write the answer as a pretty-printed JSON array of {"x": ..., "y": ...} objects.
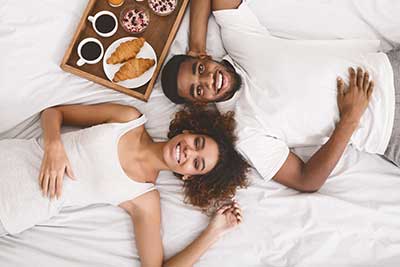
[
  {"x": 90, "y": 51},
  {"x": 104, "y": 23}
]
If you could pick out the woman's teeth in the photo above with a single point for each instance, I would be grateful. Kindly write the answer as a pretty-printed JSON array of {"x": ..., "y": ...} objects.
[
  {"x": 178, "y": 153},
  {"x": 219, "y": 82}
]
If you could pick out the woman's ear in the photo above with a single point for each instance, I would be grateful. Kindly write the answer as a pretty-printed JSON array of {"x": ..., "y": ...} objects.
[{"x": 186, "y": 177}]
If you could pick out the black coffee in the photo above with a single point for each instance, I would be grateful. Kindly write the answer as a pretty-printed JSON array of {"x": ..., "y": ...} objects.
[
  {"x": 105, "y": 23},
  {"x": 91, "y": 51}
]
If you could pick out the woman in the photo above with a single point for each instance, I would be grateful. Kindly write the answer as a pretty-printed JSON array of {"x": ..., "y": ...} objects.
[{"x": 116, "y": 161}]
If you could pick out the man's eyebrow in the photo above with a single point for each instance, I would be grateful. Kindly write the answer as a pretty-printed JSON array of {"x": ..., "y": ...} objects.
[
  {"x": 194, "y": 67},
  {"x": 192, "y": 90}
]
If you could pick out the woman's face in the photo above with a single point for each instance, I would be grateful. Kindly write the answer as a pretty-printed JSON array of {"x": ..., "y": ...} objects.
[{"x": 191, "y": 154}]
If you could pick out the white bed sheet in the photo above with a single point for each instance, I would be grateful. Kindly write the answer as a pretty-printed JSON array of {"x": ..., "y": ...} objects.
[{"x": 352, "y": 221}]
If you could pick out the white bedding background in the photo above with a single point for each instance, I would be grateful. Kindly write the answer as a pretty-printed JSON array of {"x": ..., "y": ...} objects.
[{"x": 354, "y": 220}]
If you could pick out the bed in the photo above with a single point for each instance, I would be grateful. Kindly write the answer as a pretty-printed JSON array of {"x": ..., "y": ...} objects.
[{"x": 352, "y": 221}]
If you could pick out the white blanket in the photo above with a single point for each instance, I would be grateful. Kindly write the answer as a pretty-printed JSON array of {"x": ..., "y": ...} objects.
[{"x": 352, "y": 221}]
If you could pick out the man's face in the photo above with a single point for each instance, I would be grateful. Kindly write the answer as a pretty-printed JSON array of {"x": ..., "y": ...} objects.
[{"x": 205, "y": 80}]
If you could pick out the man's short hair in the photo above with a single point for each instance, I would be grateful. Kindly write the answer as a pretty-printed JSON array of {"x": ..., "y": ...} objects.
[{"x": 169, "y": 78}]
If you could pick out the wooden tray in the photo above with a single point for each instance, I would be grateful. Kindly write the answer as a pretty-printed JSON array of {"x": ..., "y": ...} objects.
[{"x": 159, "y": 34}]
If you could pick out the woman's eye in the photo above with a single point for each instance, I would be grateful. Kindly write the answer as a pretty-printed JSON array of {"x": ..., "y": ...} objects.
[
  {"x": 199, "y": 90},
  {"x": 201, "y": 68}
]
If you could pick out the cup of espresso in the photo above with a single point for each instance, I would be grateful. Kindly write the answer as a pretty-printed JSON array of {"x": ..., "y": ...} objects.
[
  {"x": 104, "y": 23},
  {"x": 90, "y": 51}
]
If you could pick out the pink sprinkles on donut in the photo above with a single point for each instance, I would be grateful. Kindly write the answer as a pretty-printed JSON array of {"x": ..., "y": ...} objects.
[
  {"x": 162, "y": 7},
  {"x": 135, "y": 20}
]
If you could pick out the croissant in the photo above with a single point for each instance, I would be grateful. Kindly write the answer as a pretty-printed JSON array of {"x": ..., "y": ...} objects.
[
  {"x": 133, "y": 68},
  {"x": 126, "y": 51}
]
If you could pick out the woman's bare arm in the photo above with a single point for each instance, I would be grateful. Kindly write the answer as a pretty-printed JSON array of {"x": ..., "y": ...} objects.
[
  {"x": 146, "y": 217},
  {"x": 224, "y": 220},
  {"x": 145, "y": 213},
  {"x": 55, "y": 162}
]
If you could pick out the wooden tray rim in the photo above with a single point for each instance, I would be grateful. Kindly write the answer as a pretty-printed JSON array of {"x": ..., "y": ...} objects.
[{"x": 108, "y": 83}]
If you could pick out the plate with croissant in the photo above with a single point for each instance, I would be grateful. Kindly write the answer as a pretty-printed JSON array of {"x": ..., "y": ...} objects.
[{"x": 130, "y": 62}]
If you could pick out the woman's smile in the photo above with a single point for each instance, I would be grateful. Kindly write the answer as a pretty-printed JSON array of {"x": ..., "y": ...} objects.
[{"x": 178, "y": 152}]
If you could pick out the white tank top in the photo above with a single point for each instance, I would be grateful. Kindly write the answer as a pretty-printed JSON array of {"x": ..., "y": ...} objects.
[{"x": 93, "y": 154}]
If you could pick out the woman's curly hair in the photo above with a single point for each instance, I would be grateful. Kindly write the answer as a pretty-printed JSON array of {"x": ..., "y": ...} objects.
[{"x": 219, "y": 185}]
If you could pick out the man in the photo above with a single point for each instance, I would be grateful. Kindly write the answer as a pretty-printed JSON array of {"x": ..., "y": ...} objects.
[{"x": 285, "y": 94}]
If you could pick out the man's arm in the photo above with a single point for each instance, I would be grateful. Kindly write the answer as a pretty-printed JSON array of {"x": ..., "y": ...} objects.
[
  {"x": 199, "y": 13},
  {"x": 310, "y": 176}
]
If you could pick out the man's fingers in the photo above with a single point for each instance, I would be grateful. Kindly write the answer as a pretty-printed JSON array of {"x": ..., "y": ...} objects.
[
  {"x": 366, "y": 81},
  {"x": 353, "y": 78},
  {"x": 360, "y": 78},
  {"x": 370, "y": 89},
  {"x": 340, "y": 87}
]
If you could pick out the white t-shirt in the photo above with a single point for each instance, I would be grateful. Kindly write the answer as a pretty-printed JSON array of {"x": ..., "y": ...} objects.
[{"x": 289, "y": 93}]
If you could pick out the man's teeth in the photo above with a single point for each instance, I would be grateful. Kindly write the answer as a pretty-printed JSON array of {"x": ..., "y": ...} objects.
[
  {"x": 178, "y": 153},
  {"x": 219, "y": 82}
]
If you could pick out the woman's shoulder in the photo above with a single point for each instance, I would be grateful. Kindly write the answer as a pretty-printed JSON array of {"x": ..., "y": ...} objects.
[
  {"x": 125, "y": 114},
  {"x": 149, "y": 201}
]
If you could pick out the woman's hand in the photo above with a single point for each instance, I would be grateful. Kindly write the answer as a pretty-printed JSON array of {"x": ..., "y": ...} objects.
[
  {"x": 54, "y": 164},
  {"x": 225, "y": 219},
  {"x": 353, "y": 102}
]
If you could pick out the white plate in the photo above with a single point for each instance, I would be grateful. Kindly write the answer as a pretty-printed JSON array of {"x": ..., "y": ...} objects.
[{"x": 146, "y": 52}]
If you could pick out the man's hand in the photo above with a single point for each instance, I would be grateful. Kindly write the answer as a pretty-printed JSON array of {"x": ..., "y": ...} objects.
[
  {"x": 54, "y": 164},
  {"x": 310, "y": 176},
  {"x": 200, "y": 55},
  {"x": 353, "y": 102}
]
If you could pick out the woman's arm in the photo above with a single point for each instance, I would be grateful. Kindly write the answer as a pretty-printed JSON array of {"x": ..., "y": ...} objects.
[
  {"x": 145, "y": 213},
  {"x": 310, "y": 176},
  {"x": 225, "y": 219},
  {"x": 87, "y": 115},
  {"x": 55, "y": 162}
]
